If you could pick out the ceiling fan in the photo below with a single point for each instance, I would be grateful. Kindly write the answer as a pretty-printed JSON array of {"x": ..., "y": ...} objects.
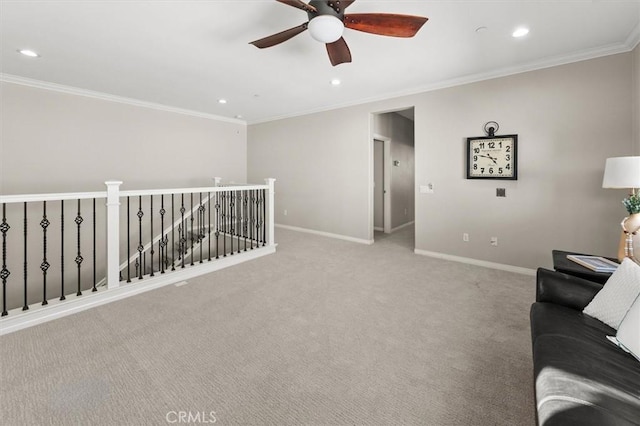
[{"x": 327, "y": 21}]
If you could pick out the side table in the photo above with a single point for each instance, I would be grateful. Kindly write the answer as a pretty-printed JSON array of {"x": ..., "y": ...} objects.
[{"x": 564, "y": 265}]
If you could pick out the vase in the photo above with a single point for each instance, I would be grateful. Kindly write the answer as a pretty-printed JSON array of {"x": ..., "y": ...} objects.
[{"x": 632, "y": 225}]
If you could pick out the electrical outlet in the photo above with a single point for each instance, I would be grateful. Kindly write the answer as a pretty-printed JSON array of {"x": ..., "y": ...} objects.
[
  {"x": 465, "y": 237},
  {"x": 494, "y": 241}
]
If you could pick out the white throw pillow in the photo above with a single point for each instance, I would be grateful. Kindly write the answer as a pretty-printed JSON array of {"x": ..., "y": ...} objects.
[
  {"x": 612, "y": 303},
  {"x": 628, "y": 337}
]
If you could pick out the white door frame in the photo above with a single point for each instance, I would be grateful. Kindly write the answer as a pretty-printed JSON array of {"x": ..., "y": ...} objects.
[{"x": 387, "y": 179}]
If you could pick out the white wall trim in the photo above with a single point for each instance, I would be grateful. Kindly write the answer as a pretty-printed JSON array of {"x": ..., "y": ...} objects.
[
  {"x": 8, "y": 78},
  {"x": 38, "y": 314},
  {"x": 476, "y": 262},
  {"x": 397, "y": 228},
  {"x": 326, "y": 234},
  {"x": 549, "y": 62}
]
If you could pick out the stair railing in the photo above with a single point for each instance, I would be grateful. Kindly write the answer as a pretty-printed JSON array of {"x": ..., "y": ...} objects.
[{"x": 58, "y": 244}]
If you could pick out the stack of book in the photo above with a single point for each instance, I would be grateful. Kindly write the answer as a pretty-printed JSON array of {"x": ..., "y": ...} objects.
[{"x": 595, "y": 263}]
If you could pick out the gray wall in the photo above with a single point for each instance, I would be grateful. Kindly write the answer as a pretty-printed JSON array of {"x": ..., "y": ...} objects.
[
  {"x": 569, "y": 120},
  {"x": 401, "y": 131},
  {"x": 57, "y": 142}
]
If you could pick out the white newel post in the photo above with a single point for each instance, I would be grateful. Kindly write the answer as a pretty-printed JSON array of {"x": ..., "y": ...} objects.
[
  {"x": 217, "y": 181},
  {"x": 113, "y": 233},
  {"x": 272, "y": 219}
]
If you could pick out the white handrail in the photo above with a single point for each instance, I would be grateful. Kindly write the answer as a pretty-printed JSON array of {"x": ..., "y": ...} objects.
[
  {"x": 29, "y": 198},
  {"x": 136, "y": 193}
]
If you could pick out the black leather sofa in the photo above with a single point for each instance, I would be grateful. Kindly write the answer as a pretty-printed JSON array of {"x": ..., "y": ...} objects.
[{"x": 580, "y": 377}]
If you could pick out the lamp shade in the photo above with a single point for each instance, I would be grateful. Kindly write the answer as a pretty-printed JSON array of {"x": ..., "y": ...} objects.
[
  {"x": 326, "y": 28},
  {"x": 622, "y": 172}
]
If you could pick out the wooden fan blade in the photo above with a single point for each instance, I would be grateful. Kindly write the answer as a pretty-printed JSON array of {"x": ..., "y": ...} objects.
[
  {"x": 285, "y": 35},
  {"x": 346, "y": 3},
  {"x": 386, "y": 24},
  {"x": 300, "y": 5},
  {"x": 338, "y": 52}
]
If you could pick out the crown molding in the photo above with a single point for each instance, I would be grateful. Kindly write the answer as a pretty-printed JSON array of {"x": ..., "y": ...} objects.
[
  {"x": 14, "y": 79},
  {"x": 549, "y": 62}
]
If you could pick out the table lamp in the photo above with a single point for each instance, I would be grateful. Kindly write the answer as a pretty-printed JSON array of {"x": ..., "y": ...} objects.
[{"x": 624, "y": 172}]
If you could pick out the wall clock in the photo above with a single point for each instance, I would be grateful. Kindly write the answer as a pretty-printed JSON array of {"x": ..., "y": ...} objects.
[{"x": 492, "y": 157}]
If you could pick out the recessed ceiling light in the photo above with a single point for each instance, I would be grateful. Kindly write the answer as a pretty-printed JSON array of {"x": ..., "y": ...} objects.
[
  {"x": 520, "y": 32},
  {"x": 336, "y": 82},
  {"x": 222, "y": 101},
  {"x": 239, "y": 117},
  {"x": 29, "y": 53}
]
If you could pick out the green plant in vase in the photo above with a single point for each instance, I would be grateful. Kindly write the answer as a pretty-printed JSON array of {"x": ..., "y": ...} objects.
[{"x": 632, "y": 203}]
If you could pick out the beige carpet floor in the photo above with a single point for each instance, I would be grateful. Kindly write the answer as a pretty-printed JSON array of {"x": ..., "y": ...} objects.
[{"x": 325, "y": 332}]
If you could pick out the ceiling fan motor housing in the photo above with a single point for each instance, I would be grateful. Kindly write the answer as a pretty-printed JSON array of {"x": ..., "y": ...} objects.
[{"x": 331, "y": 8}]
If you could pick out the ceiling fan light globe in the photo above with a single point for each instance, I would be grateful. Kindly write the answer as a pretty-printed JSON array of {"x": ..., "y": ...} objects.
[{"x": 326, "y": 28}]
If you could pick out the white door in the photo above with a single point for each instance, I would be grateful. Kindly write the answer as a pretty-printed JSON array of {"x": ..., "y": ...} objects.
[{"x": 378, "y": 185}]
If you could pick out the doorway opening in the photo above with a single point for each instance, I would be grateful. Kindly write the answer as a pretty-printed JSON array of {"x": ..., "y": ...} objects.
[{"x": 393, "y": 176}]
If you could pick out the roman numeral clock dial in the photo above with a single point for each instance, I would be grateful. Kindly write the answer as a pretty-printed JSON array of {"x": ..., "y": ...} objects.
[{"x": 492, "y": 157}]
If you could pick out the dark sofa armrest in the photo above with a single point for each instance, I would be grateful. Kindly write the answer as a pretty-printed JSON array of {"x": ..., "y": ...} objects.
[{"x": 566, "y": 290}]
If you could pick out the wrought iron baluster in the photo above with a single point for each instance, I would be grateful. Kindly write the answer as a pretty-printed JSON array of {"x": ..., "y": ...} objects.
[
  {"x": 44, "y": 266},
  {"x": 209, "y": 225},
  {"x": 258, "y": 223},
  {"x": 239, "y": 218},
  {"x": 245, "y": 222},
  {"x": 152, "y": 252},
  {"x": 25, "y": 306},
  {"x": 200, "y": 225},
  {"x": 128, "y": 239},
  {"x": 217, "y": 234},
  {"x": 173, "y": 239},
  {"x": 224, "y": 224},
  {"x": 252, "y": 219},
  {"x": 192, "y": 219},
  {"x": 79, "y": 259},
  {"x": 139, "y": 263},
  {"x": 4, "y": 273},
  {"x": 162, "y": 243},
  {"x": 264, "y": 217},
  {"x": 232, "y": 219},
  {"x": 94, "y": 246},
  {"x": 62, "y": 296},
  {"x": 181, "y": 234}
]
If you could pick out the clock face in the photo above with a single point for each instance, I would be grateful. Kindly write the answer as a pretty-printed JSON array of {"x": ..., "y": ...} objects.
[{"x": 492, "y": 158}]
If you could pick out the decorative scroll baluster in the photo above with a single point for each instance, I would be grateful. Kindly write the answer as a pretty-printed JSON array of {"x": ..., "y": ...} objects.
[
  {"x": 217, "y": 234},
  {"x": 162, "y": 243},
  {"x": 151, "y": 235},
  {"x": 44, "y": 266},
  {"x": 252, "y": 218},
  {"x": 200, "y": 225},
  {"x": 25, "y": 306},
  {"x": 139, "y": 263},
  {"x": 128, "y": 240},
  {"x": 4, "y": 273},
  {"x": 94, "y": 246},
  {"x": 224, "y": 224},
  {"x": 245, "y": 222},
  {"x": 239, "y": 218},
  {"x": 181, "y": 233},
  {"x": 173, "y": 238},
  {"x": 62, "y": 296},
  {"x": 79, "y": 258},
  {"x": 191, "y": 221},
  {"x": 258, "y": 223}
]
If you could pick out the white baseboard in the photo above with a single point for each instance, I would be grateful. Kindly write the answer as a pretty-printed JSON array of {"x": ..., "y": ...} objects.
[
  {"x": 377, "y": 228},
  {"x": 325, "y": 234},
  {"x": 397, "y": 228},
  {"x": 38, "y": 314},
  {"x": 476, "y": 262}
]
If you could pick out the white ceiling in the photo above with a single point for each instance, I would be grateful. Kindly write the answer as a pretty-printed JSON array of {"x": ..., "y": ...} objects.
[{"x": 188, "y": 54}]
